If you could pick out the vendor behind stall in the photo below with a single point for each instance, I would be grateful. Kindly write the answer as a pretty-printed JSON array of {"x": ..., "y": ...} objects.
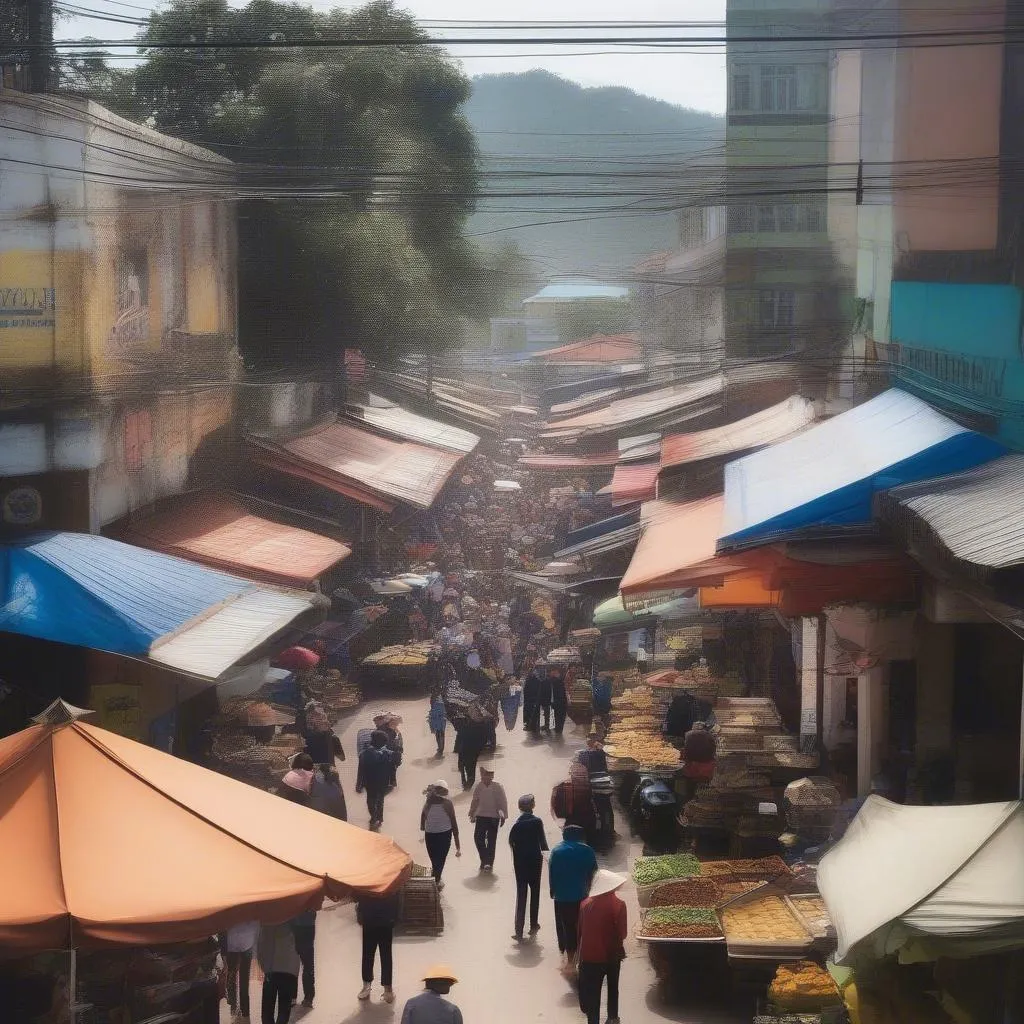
[{"x": 698, "y": 757}]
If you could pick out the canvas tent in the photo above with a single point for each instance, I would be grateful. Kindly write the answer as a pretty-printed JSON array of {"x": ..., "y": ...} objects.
[
  {"x": 926, "y": 882},
  {"x": 108, "y": 842}
]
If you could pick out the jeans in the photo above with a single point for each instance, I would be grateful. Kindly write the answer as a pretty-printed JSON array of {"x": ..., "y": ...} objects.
[
  {"x": 375, "y": 805},
  {"x": 486, "y": 838},
  {"x": 239, "y": 965},
  {"x": 305, "y": 941},
  {"x": 438, "y": 845},
  {"x": 375, "y": 939},
  {"x": 559, "y": 710},
  {"x": 567, "y": 919},
  {"x": 278, "y": 992},
  {"x": 527, "y": 878},
  {"x": 591, "y": 979}
]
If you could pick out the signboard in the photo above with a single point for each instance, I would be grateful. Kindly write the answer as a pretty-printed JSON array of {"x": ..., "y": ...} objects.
[
  {"x": 27, "y": 307},
  {"x": 119, "y": 708}
]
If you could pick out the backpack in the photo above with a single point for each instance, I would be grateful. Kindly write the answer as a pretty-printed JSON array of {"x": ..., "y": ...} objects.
[{"x": 561, "y": 800}]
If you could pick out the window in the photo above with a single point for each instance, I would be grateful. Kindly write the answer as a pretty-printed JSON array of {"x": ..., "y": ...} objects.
[
  {"x": 766, "y": 217},
  {"x": 778, "y": 217},
  {"x": 776, "y": 308},
  {"x": 741, "y": 91},
  {"x": 742, "y": 217},
  {"x": 778, "y": 87}
]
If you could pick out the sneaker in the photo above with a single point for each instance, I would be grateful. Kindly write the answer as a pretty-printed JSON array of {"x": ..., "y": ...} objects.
[
  {"x": 364, "y": 993},
  {"x": 517, "y": 938},
  {"x": 308, "y": 1001},
  {"x": 389, "y": 994},
  {"x": 534, "y": 928}
]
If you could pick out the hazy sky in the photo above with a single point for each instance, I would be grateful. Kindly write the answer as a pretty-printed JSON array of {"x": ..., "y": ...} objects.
[{"x": 694, "y": 79}]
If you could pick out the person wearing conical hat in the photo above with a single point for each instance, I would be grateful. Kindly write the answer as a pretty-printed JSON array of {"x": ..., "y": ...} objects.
[
  {"x": 430, "y": 1006},
  {"x": 602, "y": 936}
]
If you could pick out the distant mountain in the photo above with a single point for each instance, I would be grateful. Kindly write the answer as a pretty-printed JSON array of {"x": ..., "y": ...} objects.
[{"x": 538, "y": 132}]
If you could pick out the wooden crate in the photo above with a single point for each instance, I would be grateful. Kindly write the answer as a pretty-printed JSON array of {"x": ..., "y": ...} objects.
[{"x": 420, "y": 909}]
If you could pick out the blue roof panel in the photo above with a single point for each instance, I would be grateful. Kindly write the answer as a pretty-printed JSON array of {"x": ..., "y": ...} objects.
[{"x": 828, "y": 475}]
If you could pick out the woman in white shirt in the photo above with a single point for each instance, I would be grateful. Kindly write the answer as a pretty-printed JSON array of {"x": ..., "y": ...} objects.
[
  {"x": 439, "y": 827},
  {"x": 238, "y": 950}
]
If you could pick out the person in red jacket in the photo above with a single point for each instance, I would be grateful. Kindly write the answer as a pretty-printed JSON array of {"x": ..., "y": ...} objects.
[{"x": 602, "y": 937}]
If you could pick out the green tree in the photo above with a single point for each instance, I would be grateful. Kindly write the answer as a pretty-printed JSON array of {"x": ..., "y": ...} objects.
[{"x": 357, "y": 166}]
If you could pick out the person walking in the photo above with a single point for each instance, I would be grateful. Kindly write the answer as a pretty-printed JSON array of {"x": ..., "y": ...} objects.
[
  {"x": 571, "y": 867},
  {"x": 439, "y": 827},
  {"x": 239, "y": 946},
  {"x": 304, "y": 932},
  {"x": 472, "y": 737},
  {"x": 488, "y": 811},
  {"x": 395, "y": 744},
  {"x": 326, "y": 794},
  {"x": 430, "y": 1006},
  {"x": 279, "y": 961},
  {"x": 373, "y": 775},
  {"x": 531, "y": 699},
  {"x": 545, "y": 694},
  {"x": 437, "y": 720},
  {"x": 602, "y": 936},
  {"x": 528, "y": 842},
  {"x": 377, "y": 916},
  {"x": 559, "y": 698}
]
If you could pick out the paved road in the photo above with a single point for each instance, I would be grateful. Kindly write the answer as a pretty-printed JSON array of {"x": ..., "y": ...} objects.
[{"x": 500, "y": 982}]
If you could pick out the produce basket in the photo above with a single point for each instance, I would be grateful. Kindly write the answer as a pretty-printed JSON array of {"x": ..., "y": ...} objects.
[{"x": 651, "y": 872}]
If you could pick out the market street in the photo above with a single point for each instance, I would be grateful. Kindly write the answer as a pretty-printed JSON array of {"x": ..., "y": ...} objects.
[{"x": 478, "y": 908}]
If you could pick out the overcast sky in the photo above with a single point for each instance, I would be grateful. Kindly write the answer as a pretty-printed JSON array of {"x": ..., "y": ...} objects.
[{"x": 694, "y": 79}]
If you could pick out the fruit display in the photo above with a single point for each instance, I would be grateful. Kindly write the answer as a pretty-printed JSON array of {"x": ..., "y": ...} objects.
[
  {"x": 648, "y": 870},
  {"x": 680, "y": 923},
  {"x": 803, "y": 986},
  {"x": 763, "y": 921},
  {"x": 688, "y": 892}
]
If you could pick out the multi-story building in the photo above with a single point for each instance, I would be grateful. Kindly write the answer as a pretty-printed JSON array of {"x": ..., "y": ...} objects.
[
  {"x": 777, "y": 259},
  {"x": 118, "y": 353}
]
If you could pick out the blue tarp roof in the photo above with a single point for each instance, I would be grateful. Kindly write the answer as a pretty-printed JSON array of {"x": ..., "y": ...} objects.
[
  {"x": 828, "y": 475},
  {"x": 602, "y": 527},
  {"x": 99, "y": 593}
]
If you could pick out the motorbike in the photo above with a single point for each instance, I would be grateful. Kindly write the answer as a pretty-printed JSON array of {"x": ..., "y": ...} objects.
[{"x": 653, "y": 810}]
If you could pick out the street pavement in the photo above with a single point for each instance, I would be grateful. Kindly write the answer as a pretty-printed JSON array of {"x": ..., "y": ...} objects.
[{"x": 499, "y": 981}]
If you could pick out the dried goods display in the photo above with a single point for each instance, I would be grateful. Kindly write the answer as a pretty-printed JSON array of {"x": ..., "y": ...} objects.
[
  {"x": 803, "y": 986},
  {"x": 760, "y": 868},
  {"x": 415, "y": 655},
  {"x": 644, "y": 748},
  {"x": 813, "y": 914},
  {"x": 648, "y": 870},
  {"x": 680, "y": 923},
  {"x": 764, "y": 921},
  {"x": 688, "y": 892},
  {"x": 730, "y": 888}
]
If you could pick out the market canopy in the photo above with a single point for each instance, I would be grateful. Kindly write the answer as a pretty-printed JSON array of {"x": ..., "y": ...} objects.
[
  {"x": 94, "y": 592},
  {"x": 216, "y": 529},
  {"x": 927, "y": 882},
  {"x": 825, "y": 478},
  {"x": 393, "y": 420},
  {"x": 108, "y": 842},
  {"x": 614, "y": 613},
  {"x": 632, "y": 482}
]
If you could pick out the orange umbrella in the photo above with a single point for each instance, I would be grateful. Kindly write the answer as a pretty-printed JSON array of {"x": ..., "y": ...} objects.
[{"x": 107, "y": 842}]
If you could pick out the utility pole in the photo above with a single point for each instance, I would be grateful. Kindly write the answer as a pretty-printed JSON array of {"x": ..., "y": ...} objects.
[{"x": 40, "y": 45}]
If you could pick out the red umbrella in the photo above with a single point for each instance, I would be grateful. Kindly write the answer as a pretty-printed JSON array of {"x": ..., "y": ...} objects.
[{"x": 297, "y": 659}]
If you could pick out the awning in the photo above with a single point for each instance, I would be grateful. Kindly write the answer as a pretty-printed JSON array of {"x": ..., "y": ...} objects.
[
  {"x": 677, "y": 549},
  {"x": 603, "y": 527},
  {"x": 655, "y": 408},
  {"x": 605, "y": 543},
  {"x": 395, "y": 421},
  {"x": 741, "y": 590},
  {"x": 927, "y": 882},
  {"x": 217, "y": 530},
  {"x": 763, "y": 428},
  {"x": 824, "y": 479},
  {"x": 102, "y": 594},
  {"x": 374, "y": 470},
  {"x": 632, "y": 482},
  {"x": 613, "y": 612},
  {"x": 108, "y": 842},
  {"x": 598, "y": 348},
  {"x": 585, "y": 401},
  {"x": 975, "y": 515},
  {"x": 542, "y": 460},
  {"x": 641, "y": 447}
]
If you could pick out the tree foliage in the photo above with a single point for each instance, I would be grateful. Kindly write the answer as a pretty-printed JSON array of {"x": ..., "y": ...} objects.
[{"x": 363, "y": 162}]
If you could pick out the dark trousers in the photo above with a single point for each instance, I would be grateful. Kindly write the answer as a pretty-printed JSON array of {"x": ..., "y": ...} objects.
[
  {"x": 239, "y": 965},
  {"x": 467, "y": 764},
  {"x": 486, "y": 838},
  {"x": 527, "y": 878},
  {"x": 591, "y": 979},
  {"x": 544, "y": 717},
  {"x": 438, "y": 845},
  {"x": 439, "y": 736},
  {"x": 305, "y": 941},
  {"x": 375, "y": 804},
  {"x": 559, "y": 710},
  {"x": 375, "y": 939},
  {"x": 279, "y": 990},
  {"x": 530, "y": 716},
  {"x": 567, "y": 919}
]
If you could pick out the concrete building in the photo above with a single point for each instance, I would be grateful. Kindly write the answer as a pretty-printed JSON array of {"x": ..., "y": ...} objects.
[{"x": 118, "y": 353}]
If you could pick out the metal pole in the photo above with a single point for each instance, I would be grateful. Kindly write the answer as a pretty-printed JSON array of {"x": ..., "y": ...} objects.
[{"x": 1020, "y": 760}]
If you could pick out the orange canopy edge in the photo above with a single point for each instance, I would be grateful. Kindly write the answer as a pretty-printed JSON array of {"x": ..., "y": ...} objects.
[{"x": 107, "y": 842}]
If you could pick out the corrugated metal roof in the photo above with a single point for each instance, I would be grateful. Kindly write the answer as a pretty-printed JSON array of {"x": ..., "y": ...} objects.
[
  {"x": 399, "y": 422},
  {"x": 567, "y": 292},
  {"x": 614, "y": 540},
  {"x": 604, "y": 526},
  {"x": 217, "y": 530},
  {"x": 584, "y": 402},
  {"x": 762, "y": 428},
  {"x": 636, "y": 409},
  {"x": 976, "y": 514},
  {"x": 541, "y": 460},
  {"x": 826, "y": 476},
  {"x": 598, "y": 348},
  {"x": 634, "y": 482},
  {"x": 643, "y": 446},
  {"x": 399, "y": 470},
  {"x": 100, "y": 593}
]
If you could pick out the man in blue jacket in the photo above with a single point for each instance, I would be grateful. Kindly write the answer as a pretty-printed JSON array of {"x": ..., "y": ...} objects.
[
  {"x": 374, "y": 776},
  {"x": 570, "y": 869}
]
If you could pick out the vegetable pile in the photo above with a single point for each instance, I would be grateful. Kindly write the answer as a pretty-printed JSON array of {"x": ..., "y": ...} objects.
[
  {"x": 648, "y": 870},
  {"x": 681, "y": 923}
]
